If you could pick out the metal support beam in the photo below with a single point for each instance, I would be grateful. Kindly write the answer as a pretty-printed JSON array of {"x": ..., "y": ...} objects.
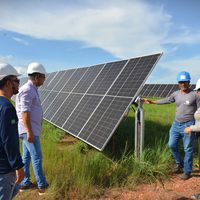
[
  {"x": 198, "y": 140},
  {"x": 139, "y": 128}
]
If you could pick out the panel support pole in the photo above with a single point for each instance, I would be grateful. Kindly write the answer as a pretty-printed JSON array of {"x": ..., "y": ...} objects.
[
  {"x": 139, "y": 129},
  {"x": 198, "y": 140}
]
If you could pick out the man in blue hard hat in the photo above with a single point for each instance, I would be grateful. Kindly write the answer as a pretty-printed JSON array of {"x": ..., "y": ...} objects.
[{"x": 187, "y": 102}]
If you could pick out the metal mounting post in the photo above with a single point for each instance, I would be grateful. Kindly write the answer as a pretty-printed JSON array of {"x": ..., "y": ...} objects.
[
  {"x": 139, "y": 129},
  {"x": 198, "y": 140}
]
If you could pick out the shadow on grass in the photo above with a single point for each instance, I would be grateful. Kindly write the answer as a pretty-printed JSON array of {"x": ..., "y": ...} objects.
[{"x": 123, "y": 140}]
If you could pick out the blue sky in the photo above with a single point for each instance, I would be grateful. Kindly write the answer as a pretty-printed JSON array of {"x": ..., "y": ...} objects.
[{"x": 66, "y": 34}]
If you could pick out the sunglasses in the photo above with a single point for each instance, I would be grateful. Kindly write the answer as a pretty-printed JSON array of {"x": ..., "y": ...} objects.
[
  {"x": 16, "y": 80},
  {"x": 183, "y": 82}
]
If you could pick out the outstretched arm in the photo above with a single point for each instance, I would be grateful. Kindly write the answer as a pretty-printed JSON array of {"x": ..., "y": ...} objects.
[{"x": 147, "y": 101}]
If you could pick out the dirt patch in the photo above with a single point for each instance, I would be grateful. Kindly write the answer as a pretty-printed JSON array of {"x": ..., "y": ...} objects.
[
  {"x": 68, "y": 140},
  {"x": 173, "y": 189}
]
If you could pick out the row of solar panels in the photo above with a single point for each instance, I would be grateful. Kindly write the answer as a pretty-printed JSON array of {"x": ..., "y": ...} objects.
[
  {"x": 160, "y": 90},
  {"x": 90, "y": 102},
  {"x": 148, "y": 90}
]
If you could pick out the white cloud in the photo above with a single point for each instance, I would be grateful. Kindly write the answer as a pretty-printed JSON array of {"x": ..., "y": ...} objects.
[
  {"x": 9, "y": 59},
  {"x": 19, "y": 40},
  {"x": 172, "y": 68},
  {"x": 183, "y": 35},
  {"x": 6, "y": 59},
  {"x": 21, "y": 69},
  {"x": 124, "y": 28}
]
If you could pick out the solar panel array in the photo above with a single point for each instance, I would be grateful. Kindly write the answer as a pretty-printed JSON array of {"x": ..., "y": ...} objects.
[
  {"x": 160, "y": 90},
  {"x": 23, "y": 80},
  {"x": 90, "y": 102}
]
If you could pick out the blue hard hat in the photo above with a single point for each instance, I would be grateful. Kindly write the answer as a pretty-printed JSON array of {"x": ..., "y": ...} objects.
[{"x": 183, "y": 76}]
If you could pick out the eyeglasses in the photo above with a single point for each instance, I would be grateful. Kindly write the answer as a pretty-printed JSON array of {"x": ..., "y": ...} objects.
[
  {"x": 16, "y": 80},
  {"x": 42, "y": 76}
]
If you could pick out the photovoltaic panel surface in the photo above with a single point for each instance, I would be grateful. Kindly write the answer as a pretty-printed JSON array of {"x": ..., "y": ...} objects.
[
  {"x": 160, "y": 90},
  {"x": 90, "y": 102},
  {"x": 106, "y": 118},
  {"x": 54, "y": 105},
  {"x": 63, "y": 78},
  {"x": 108, "y": 74},
  {"x": 132, "y": 77},
  {"x": 74, "y": 79},
  {"x": 23, "y": 80},
  {"x": 66, "y": 109},
  {"x": 87, "y": 79},
  {"x": 81, "y": 113}
]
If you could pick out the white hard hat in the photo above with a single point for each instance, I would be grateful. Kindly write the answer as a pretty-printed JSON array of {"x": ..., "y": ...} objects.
[
  {"x": 7, "y": 70},
  {"x": 36, "y": 68},
  {"x": 197, "y": 85}
]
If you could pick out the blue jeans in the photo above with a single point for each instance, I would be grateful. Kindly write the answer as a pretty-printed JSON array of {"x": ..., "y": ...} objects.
[
  {"x": 7, "y": 186},
  {"x": 32, "y": 152},
  {"x": 176, "y": 133}
]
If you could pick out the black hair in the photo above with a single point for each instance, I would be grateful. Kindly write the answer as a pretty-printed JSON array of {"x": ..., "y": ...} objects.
[
  {"x": 33, "y": 75},
  {"x": 4, "y": 80}
]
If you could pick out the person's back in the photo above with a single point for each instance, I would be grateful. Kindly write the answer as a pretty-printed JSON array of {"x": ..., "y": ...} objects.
[
  {"x": 28, "y": 99},
  {"x": 8, "y": 121}
]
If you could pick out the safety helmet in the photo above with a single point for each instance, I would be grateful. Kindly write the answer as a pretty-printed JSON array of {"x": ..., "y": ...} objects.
[
  {"x": 7, "y": 70},
  {"x": 197, "y": 85},
  {"x": 36, "y": 68},
  {"x": 183, "y": 76}
]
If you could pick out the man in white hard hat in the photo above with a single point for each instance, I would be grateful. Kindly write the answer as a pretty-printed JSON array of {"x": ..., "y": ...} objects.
[
  {"x": 196, "y": 127},
  {"x": 29, "y": 111},
  {"x": 11, "y": 165}
]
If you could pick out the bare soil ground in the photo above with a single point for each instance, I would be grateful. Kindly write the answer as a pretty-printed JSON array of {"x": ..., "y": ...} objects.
[{"x": 173, "y": 189}]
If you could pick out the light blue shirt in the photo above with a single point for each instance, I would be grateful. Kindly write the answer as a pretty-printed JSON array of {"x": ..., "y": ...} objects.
[{"x": 27, "y": 100}]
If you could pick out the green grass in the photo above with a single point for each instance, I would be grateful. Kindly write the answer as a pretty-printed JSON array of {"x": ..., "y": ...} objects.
[{"x": 79, "y": 171}]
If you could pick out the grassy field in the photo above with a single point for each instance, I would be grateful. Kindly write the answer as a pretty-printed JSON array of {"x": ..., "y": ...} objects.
[{"x": 75, "y": 170}]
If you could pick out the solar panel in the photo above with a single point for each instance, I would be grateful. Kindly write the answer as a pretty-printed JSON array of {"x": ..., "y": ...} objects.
[
  {"x": 48, "y": 79},
  {"x": 160, "y": 90},
  {"x": 65, "y": 75},
  {"x": 87, "y": 79},
  {"x": 108, "y": 74},
  {"x": 65, "y": 109},
  {"x": 74, "y": 79},
  {"x": 81, "y": 113},
  {"x": 54, "y": 106},
  {"x": 23, "y": 80},
  {"x": 104, "y": 120},
  {"x": 90, "y": 102}
]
